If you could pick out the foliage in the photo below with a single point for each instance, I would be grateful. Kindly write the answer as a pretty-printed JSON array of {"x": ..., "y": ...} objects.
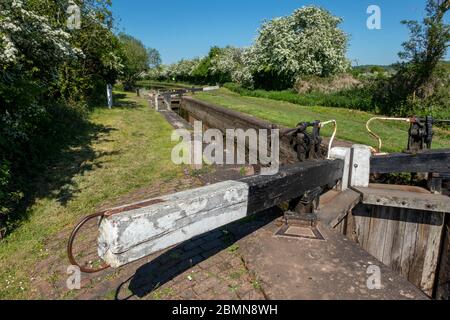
[
  {"x": 418, "y": 79},
  {"x": 202, "y": 72},
  {"x": 326, "y": 85},
  {"x": 230, "y": 64},
  {"x": 308, "y": 42},
  {"x": 154, "y": 58},
  {"x": 106, "y": 161},
  {"x": 356, "y": 98},
  {"x": 351, "y": 123},
  {"x": 137, "y": 59},
  {"x": 48, "y": 76},
  {"x": 181, "y": 71}
]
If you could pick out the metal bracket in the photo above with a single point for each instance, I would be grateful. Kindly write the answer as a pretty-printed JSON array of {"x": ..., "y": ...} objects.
[{"x": 307, "y": 145}]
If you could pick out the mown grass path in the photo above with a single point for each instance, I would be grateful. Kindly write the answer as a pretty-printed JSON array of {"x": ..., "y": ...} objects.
[
  {"x": 127, "y": 148},
  {"x": 352, "y": 123}
]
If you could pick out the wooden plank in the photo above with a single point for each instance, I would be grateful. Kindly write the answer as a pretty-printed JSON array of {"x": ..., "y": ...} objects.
[
  {"x": 362, "y": 215},
  {"x": 383, "y": 221},
  {"x": 433, "y": 161},
  {"x": 406, "y": 240},
  {"x": 391, "y": 234},
  {"x": 409, "y": 243},
  {"x": 432, "y": 253},
  {"x": 417, "y": 266},
  {"x": 397, "y": 245},
  {"x": 375, "y": 239},
  {"x": 350, "y": 231},
  {"x": 405, "y": 199},
  {"x": 443, "y": 283},
  {"x": 336, "y": 211},
  {"x": 132, "y": 232}
]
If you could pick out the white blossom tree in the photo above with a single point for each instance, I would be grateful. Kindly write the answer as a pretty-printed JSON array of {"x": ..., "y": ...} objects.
[
  {"x": 27, "y": 35},
  {"x": 308, "y": 42},
  {"x": 232, "y": 61}
]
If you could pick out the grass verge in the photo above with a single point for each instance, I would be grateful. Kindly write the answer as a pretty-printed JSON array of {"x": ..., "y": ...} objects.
[
  {"x": 351, "y": 123},
  {"x": 129, "y": 149}
]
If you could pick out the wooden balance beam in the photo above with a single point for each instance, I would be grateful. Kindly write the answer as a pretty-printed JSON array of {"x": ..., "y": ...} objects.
[
  {"x": 132, "y": 232},
  {"x": 431, "y": 161}
]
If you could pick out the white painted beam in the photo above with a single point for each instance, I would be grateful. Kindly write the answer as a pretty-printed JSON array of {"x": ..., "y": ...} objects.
[
  {"x": 345, "y": 155},
  {"x": 156, "y": 97},
  {"x": 360, "y": 166},
  {"x": 131, "y": 232},
  {"x": 211, "y": 88},
  {"x": 134, "y": 234}
]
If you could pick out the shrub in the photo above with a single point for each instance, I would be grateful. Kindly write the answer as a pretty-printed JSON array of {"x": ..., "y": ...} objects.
[
  {"x": 326, "y": 85},
  {"x": 48, "y": 75},
  {"x": 357, "y": 98}
]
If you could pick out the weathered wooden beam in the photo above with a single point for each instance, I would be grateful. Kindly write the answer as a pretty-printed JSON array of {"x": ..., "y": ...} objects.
[
  {"x": 132, "y": 232},
  {"x": 178, "y": 92},
  {"x": 291, "y": 182},
  {"x": 333, "y": 213},
  {"x": 405, "y": 199},
  {"x": 432, "y": 161},
  {"x": 139, "y": 230}
]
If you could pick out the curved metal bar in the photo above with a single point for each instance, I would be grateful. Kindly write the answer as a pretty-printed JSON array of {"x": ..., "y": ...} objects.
[
  {"x": 330, "y": 145},
  {"x": 380, "y": 142},
  {"x": 72, "y": 239}
]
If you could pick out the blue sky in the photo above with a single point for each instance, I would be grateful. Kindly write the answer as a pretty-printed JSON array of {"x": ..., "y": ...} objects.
[{"x": 188, "y": 28}]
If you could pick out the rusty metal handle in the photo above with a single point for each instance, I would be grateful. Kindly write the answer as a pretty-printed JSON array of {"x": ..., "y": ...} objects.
[{"x": 72, "y": 239}]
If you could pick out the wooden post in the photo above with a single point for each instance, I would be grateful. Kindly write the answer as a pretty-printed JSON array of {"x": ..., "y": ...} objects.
[
  {"x": 345, "y": 155},
  {"x": 156, "y": 97},
  {"x": 360, "y": 166},
  {"x": 168, "y": 101},
  {"x": 109, "y": 95}
]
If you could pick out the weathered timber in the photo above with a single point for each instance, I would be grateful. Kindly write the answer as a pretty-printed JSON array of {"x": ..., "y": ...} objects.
[
  {"x": 130, "y": 235},
  {"x": 135, "y": 231},
  {"x": 432, "y": 161},
  {"x": 443, "y": 283},
  {"x": 404, "y": 199},
  {"x": 292, "y": 181},
  {"x": 334, "y": 212},
  {"x": 406, "y": 240}
]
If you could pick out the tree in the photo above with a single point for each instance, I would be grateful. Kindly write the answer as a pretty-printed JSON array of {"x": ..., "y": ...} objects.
[
  {"x": 154, "y": 58},
  {"x": 203, "y": 72},
  {"x": 417, "y": 77},
  {"x": 137, "y": 59},
  {"x": 48, "y": 76},
  {"x": 230, "y": 65},
  {"x": 309, "y": 42},
  {"x": 429, "y": 42},
  {"x": 84, "y": 79}
]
